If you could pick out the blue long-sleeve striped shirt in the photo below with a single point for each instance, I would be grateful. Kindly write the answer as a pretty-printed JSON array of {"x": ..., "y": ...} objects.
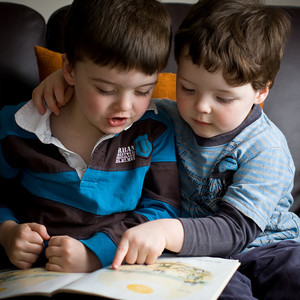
[{"x": 131, "y": 178}]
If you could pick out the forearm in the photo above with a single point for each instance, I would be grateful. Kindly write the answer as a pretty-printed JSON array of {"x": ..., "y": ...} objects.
[
  {"x": 104, "y": 244},
  {"x": 224, "y": 234}
]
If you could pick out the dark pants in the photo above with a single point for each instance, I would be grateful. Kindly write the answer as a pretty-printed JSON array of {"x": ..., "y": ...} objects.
[{"x": 267, "y": 272}]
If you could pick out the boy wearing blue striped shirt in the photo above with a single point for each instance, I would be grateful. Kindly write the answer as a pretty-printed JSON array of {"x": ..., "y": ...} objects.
[{"x": 235, "y": 167}]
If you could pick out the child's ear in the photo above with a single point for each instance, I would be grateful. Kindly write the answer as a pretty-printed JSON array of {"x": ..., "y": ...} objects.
[
  {"x": 261, "y": 95},
  {"x": 67, "y": 70}
]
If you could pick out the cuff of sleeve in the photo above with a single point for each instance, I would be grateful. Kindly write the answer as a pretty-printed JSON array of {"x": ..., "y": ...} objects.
[
  {"x": 102, "y": 246},
  {"x": 190, "y": 246},
  {"x": 7, "y": 214},
  {"x": 184, "y": 250}
]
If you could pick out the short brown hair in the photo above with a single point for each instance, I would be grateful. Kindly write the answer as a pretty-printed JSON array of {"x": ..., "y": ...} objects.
[
  {"x": 126, "y": 34},
  {"x": 243, "y": 38}
]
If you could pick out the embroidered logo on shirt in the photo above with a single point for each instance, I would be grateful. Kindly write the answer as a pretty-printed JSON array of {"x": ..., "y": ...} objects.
[
  {"x": 125, "y": 154},
  {"x": 228, "y": 164},
  {"x": 143, "y": 146}
]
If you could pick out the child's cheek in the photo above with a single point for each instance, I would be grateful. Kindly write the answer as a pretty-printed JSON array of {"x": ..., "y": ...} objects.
[
  {"x": 95, "y": 104},
  {"x": 230, "y": 120}
]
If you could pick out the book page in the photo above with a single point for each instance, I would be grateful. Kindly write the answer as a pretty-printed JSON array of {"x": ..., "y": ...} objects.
[
  {"x": 169, "y": 278},
  {"x": 32, "y": 281}
]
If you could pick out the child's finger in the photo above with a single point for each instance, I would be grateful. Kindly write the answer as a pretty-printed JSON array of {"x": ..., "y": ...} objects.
[
  {"x": 54, "y": 249},
  {"x": 40, "y": 229},
  {"x": 61, "y": 241},
  {"x": 141, "y": 257},
  {"x": 69, "y": 91},
  {"x": 26, "y": 261},
  {"x": 37, "y": 98},
  {"x": 120, "y": 254},
  {"x": 51, "y": 102},
  {"x": 53, "y": 267}
]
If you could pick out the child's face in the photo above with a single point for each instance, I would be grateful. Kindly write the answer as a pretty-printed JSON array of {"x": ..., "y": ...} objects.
[
  {"x": 107, "y": 98},
  {"x": 208, "y": 104}
]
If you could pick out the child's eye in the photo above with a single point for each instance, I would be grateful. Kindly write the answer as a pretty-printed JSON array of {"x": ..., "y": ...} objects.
[
  {"x": 225, "y": 100},
  {"x": 190, "y": 91},
  {"x": 104, "y": 92},
  {"x": 144, "y": 94}
]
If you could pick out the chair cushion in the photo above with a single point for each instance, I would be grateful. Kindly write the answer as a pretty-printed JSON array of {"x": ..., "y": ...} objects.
[{"x": 21, "y": 28}]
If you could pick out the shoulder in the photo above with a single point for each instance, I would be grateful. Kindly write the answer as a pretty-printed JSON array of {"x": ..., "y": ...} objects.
[
  {"x": 159, "y": 113},
  {"x": 8, "y": 123},
  {"x": 263, "y": 141},
  {"x": 167, "y": 106},
  {"x": 8, "y": 111},
  {"x": 263, "y": 134}
]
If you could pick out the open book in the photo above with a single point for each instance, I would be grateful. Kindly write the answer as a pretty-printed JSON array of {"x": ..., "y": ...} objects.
[{"x": 168, "y": 278}]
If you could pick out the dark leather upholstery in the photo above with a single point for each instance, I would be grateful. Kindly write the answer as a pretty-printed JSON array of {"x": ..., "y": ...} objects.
[
  {"x": 177, "y": 12},
  {"x": 54, "y": 34},
  {"x": 21, "y": 28}
]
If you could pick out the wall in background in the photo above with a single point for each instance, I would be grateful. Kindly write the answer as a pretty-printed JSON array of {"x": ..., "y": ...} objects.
[{"x": 46, "y": 7}]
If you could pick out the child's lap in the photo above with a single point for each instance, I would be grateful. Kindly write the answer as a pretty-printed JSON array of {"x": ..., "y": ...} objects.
[{"x": 273, "y": 272}]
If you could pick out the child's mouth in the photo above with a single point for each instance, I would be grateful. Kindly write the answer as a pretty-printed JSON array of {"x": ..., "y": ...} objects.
[{"x": 115, "y": 122}]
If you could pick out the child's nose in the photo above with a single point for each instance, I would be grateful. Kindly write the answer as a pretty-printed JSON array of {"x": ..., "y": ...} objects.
[
  {"x": 124, "y": 102},
  {"x": 203, "y": 104}
]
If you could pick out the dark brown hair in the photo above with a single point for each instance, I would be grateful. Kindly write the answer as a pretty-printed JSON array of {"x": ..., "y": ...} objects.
[
  {"x": 243, "y": 38},
  {"x": 126, "y": 34}
]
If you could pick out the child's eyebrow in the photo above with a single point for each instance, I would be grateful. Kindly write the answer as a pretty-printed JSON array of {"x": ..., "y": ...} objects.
[
  {"x": 225, "y": 91},
  {"x": 148, "y": 84},
  {"x": 111, "y": 82}
]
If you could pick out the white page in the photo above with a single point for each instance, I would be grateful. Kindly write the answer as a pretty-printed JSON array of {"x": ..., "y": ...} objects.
[
  {"x": 37, "y": 280},
  {"x": 194, "y": 278}
]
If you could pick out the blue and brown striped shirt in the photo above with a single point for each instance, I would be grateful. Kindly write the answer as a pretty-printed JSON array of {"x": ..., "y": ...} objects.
[{"x": 131, "y": 178}]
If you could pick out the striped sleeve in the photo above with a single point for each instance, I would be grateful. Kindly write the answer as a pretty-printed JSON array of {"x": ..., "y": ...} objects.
[{"x": 264, "y": 177}]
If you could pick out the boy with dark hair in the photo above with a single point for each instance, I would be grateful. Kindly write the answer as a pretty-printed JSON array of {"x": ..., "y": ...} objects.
[
  {"x": 236, "y": 171},
  {"x": 107, "y": 163}
]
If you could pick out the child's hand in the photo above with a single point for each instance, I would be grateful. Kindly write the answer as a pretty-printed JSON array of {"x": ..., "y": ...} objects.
[
  {"x": 23, "y": 243},
  {"x": 52, "y": 91},
  {"x": 140, "y": 244},
  {"x": 146, "y": 242},
  {"x": 66, "y": 254}
]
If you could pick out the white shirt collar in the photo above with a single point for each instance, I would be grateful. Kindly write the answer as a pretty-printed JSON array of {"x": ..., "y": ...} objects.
[{"x": 29, "y": 118}]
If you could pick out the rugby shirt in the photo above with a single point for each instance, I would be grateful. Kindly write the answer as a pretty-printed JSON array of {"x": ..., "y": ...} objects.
[{"x": 131, "y": 178}]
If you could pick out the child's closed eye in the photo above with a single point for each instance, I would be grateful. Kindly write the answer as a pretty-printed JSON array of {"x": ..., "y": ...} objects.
[
  {"x": 106, "y": 92},
  {"x": 187, "y": 90},
  {"x": 225, "y": 100},
  {"x": 143, "y": 94}
]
